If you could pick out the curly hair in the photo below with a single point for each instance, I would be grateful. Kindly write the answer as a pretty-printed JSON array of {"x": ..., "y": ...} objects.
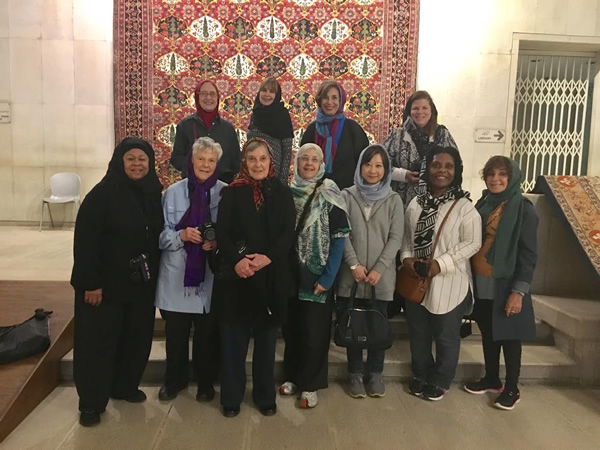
[{"x": 497, "y": 162}]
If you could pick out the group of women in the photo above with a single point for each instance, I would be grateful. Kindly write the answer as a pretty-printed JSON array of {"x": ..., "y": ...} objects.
[{"x": 235, "y": 252}]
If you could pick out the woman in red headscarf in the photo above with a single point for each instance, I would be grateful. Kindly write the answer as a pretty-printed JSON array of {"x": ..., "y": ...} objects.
[
  {"x": 255, "y": 231},
  {"x": 341, "y": 139},
  {"x": 206, "y": 122}
]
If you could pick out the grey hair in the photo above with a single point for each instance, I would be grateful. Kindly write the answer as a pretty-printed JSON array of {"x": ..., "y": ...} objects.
[
  {"x": 310, "y": 146},
  {"x": 206, "y": 143}
]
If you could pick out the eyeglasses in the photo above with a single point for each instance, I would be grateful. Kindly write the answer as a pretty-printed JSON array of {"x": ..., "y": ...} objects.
[{"x": 208, "y": 94}]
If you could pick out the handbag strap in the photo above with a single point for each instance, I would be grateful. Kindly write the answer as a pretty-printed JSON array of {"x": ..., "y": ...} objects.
[
  {"x": 437, "y": 236},
  {"x": 353, "y": 294}
]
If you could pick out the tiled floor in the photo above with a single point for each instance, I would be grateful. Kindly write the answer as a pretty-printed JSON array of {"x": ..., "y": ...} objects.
[{"x": 546, "y": 418}]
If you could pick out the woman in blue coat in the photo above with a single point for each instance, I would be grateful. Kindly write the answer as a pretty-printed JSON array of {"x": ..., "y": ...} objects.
[
  {"x": 503, "y": 269},
  {"x": 185, "y": 280}
]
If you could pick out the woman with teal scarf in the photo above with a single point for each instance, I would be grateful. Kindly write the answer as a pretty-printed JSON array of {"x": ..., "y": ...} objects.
[
  {"x": 321, "y": 229},
  {"x": 502, "y": 270}
]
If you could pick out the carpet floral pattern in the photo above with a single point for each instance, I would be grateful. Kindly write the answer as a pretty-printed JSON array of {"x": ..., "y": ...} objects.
[
  {"x": 579, "y": 200},
  {"x": 164, "y": 47}
]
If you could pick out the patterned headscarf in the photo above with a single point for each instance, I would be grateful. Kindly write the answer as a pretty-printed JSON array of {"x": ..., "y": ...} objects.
[{"x": 243, "y": 178}]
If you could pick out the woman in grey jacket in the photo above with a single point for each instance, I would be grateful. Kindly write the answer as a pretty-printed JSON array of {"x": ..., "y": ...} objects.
[{"x": 376, "y": 218}]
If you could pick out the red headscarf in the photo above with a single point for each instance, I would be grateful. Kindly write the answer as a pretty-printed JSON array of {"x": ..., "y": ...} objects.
[
  {"x": 244, "y": 178},
  {"x": 208, "y": 117}
]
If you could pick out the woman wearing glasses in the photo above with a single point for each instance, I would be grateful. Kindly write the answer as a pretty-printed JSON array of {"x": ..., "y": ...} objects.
[{"x": 206, "y": 122}]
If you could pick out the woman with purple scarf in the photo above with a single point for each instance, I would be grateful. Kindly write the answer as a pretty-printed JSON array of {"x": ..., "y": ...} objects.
[
  {"x": 341, "y": 139},
  {"x": 185, "y": 280}
]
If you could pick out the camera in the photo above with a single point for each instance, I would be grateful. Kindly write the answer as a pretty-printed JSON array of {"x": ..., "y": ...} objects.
[
  {"x": 422, "y": 269},
  {"x": 208, "y": 231},
  {"x": 140, "y": 269}
]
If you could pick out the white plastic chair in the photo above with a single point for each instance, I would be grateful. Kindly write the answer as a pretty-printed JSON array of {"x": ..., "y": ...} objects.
[{"x": 64, "y": 188}]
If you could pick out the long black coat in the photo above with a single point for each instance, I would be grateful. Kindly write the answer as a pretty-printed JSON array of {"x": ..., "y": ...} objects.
[
  {"x": 353, "y": 141},
  {"x": 519, "y": 326},
  {"x": 111, "y": 229},
  {"x": 269, "y": 231}
]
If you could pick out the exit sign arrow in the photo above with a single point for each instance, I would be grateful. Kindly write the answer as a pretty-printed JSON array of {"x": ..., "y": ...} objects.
[{"x": 489, "y": 135}]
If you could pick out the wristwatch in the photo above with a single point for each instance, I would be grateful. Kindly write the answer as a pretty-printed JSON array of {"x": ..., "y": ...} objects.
[{"x": 354, "y": 266}]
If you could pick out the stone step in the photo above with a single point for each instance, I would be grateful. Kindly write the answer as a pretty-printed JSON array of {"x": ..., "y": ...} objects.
[
  {"x": 399, "y": 328},
  {"x": 539, "y": 363}
]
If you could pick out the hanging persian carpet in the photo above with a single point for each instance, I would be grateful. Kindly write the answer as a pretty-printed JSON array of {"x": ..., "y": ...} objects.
[
  {"x": 579, "y": 201},
  {"x": 164, "y": 47}
]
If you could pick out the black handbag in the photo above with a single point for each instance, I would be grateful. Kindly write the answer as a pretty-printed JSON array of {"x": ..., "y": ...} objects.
[
  {"x": 221, "y": 267},
  {"x": 362, "y": 327},
  {"x": 25, "y": 339}
]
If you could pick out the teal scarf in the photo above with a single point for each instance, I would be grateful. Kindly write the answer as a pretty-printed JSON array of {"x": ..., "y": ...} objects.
[{"x": 502, "y": 255}]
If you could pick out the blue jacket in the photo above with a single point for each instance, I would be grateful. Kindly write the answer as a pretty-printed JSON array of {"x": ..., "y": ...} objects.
[{"x": 170, "y": 293}]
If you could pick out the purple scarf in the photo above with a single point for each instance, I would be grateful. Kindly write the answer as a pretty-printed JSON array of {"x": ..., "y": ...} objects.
[{"x": 197, "y": 214}]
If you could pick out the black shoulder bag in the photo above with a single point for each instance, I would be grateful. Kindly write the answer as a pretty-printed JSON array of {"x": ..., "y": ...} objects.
[{"x": 362, "y": 327}]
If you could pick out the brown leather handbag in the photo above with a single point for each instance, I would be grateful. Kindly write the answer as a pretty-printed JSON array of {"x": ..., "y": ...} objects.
[{"x": 411, "y": 287}]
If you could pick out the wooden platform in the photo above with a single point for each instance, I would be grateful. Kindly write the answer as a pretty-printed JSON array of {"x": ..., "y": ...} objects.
[{"x": 24, "y": 384}]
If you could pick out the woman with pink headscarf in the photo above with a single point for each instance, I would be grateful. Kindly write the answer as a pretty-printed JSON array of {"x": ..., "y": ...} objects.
[{"x": 206, "y": 122}]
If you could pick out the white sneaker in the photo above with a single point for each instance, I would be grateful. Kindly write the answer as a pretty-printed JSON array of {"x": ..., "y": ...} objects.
[
  {"x": 288, "y": 388},
  {"x": 308, "y": 399}
]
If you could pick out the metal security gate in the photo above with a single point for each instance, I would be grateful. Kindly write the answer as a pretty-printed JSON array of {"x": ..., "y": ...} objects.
[{"x": 552, "y": 114}]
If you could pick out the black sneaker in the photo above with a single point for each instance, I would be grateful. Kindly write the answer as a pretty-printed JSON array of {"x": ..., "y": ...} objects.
[
  {"x": 508, "y": 399},
  {"x": 89, "y": 418},
  {"x": 482, "y": 386},
  {"x": 433, "y": 393},
  {"x": 416, "y": 387}
]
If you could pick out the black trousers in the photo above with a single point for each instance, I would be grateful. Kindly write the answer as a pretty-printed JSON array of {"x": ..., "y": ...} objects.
[
  {"x": 491, "y": 349},
  {"x": 205, "y": 349},
  {"x": 375, "y": 357},
  {"x": 111, "y": 348},
  {"x": 307, "y": 335},
  {"x": 425, "y": 327},
  {"x": 235, "y": 336}
]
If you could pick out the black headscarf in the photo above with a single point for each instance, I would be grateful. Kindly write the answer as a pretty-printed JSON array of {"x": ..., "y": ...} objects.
[
  {"x": 147, "y": 190},
  {"x": 274, "y": 119}
]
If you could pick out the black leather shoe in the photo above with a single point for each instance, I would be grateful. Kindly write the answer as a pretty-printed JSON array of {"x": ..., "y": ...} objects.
[
  {"x": 230, "y": 412},
  {"x": 269, "y": 410},
  {"x": 137, "y": 397},
  {"x": 89, "y": 418},
  {"x": 167, "y": 393},
  {"x": 205, "y": 396}
]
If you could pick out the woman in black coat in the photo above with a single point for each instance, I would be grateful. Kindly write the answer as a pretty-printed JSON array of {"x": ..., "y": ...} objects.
[
  {"x": 255, "y": 230},
  {"x": 341, "y": 139},
  {"x": 502, "y": 270},
  {"x": 114, "y": 276}
]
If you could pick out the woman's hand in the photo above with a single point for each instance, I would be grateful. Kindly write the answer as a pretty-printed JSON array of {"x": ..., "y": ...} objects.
[
  {"x": 409, "y": 263},
  {"x": 513, "y": 304},
  {"x": 208, "y": 246},
  {"x": 318, "y": 289},
  {"x": 258, "y": 261},
  {"x": 373, "y": 277},
  {"x": 359, "y": 273},
  {"x": 191, "y": 235},
  {"x": 412, "y": 177},
  {"x": 94, "y": 297},
  {"x": 243, "y": 269},
  {"x": 434, "y": 268}
]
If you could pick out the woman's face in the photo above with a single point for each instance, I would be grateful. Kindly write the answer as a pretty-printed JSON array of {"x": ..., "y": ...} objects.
[
  {"x": 266, "y": 96},
  {"x": 208, "y": 97},
  {"x": 205, "y": 163},
  {"x": 373, "y": 171},
  {"x": 258, "y": 161},
  {"x": 331, "y": 101},
  {"x": 441, "y": 171},
  {"x": 136, "y": 164},
  {"x": 497, "y": 180},
  {"x": 308, "y": 164},
  {"x": 420, "y": 112}
]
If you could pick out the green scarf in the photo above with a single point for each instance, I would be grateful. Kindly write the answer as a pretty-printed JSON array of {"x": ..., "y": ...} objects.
[{"x": 503, "y": 253}]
